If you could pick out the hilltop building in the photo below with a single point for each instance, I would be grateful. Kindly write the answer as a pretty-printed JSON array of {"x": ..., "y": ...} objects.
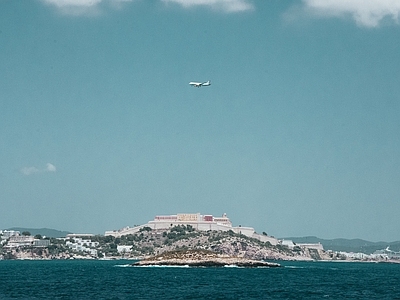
[
  {"x": 17, "y": 241},
  {"x": 197, "y": 221}
]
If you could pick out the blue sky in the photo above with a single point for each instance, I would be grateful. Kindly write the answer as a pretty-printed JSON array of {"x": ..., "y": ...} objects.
[{"x": 297, "y": 135}]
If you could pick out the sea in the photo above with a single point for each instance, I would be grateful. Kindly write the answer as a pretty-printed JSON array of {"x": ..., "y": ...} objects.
[{"x": 116, "y": 279}]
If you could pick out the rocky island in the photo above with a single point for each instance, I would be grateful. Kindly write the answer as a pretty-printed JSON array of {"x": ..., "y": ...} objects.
[{"x": 201, "y": 258}]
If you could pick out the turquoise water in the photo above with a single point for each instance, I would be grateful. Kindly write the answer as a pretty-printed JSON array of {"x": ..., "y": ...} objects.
[{"x": 117, "y": 280}]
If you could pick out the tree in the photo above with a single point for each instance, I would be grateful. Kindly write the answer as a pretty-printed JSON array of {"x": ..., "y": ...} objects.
[
  {"x": 26, "y": 233},
  {"x": 146, "y": 228},
  {"x": 38, "y": 237}
]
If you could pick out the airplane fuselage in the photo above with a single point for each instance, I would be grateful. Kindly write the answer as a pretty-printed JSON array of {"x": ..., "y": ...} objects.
[{"x": 200, "y": 84}]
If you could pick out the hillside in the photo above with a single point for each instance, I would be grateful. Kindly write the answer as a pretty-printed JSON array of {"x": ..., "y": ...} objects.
[{"x": 153, "y": 242}]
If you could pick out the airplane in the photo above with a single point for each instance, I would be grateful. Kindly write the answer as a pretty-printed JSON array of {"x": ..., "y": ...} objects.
[{"x": 199, "y": 84}]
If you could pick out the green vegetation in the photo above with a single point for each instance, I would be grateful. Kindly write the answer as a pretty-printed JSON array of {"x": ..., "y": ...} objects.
[
  {"x": 57, "y": 247},
  {"x": 148, "y": 242},
  {"x": 146, "y": 228}
]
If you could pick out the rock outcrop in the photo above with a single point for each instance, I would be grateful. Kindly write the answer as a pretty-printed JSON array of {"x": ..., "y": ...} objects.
[{"x": 201, "y": 258}]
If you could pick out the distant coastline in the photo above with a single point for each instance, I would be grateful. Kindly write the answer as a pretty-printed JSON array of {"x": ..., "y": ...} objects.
[{"x": 186, "y": 232}]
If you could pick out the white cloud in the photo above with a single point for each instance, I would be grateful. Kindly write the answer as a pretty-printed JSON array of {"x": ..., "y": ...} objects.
[
  {"x": 33, "y": 170},
  {"x": 82, "y": 7},
  {"x": 81, "y": 3},
  {"x": 29, "y": 170},
  {"x": 93, "y": 7},
  {"x": 368, "y": 13},
  {"x": 50, "y": 167},
  {"x": 221, "y": 5}
]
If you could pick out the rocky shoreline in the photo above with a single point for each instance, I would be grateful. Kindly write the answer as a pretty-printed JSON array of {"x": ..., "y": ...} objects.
[{"x": 201, "y": 258}]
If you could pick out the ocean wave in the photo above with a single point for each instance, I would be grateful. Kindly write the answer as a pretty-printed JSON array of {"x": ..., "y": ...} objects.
[{"x": 123, "y": 266}]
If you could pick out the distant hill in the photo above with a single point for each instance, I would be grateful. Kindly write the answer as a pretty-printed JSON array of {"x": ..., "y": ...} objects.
[
  {"x": 347, "y": 245},
  {"x": 42, "y": 231}
]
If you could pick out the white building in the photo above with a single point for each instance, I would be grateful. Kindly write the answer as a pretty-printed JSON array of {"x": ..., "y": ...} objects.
[
  {"x": 79, "y": 235},
  {"x": 387, "y": 253},
  {"x": 79, "y": 244},
  {"x": 288, "y": 243},
  {"x": 265, "y": 238},
  {"x": 197, "y": 221},
  {"x": 124, "y": 249},
  {"x": 17, "y": 241},
  {"x": 316, "y": 246},
  {"x": 9, "y": 233},
  {"x": 20, "y": 241}
]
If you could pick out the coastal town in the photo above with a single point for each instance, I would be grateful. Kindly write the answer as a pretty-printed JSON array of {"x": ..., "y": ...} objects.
[{"x": 170, "y": 233}]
